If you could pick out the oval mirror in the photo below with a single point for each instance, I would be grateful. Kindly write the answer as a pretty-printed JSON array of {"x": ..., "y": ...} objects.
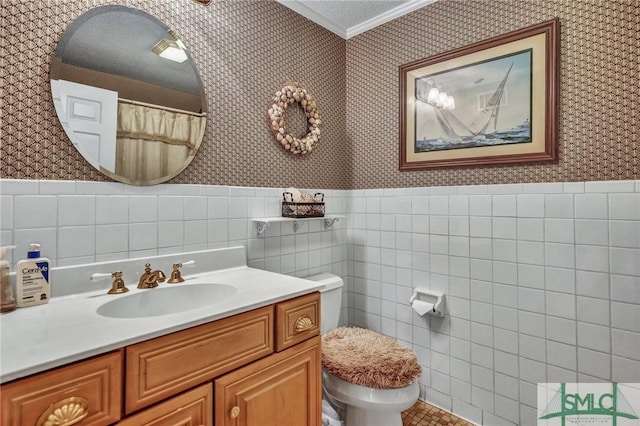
[{"x": 128, "y": 95}]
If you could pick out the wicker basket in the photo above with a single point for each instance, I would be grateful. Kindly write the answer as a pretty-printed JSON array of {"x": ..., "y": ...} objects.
[{"x": 302, "y": 209}]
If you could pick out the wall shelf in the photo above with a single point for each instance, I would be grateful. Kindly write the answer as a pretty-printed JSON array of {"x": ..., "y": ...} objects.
[{"x": 263, "y": 223}]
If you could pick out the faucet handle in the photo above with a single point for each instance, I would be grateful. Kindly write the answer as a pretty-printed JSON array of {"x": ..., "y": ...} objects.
[
  {"x": 117, "y": 286},
  {"x": 176, "y": 274},
  {"x": 100, "y": 276}
]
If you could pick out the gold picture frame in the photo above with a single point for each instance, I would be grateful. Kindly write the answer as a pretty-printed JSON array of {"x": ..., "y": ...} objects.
[{"x": 488, "y": 103}]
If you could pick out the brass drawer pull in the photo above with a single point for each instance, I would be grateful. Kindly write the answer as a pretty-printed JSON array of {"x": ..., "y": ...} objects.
[
  {"x": 235, "y": 412},
  {"x": 303, "y": 323},
  {"x": 66, "y": 412}
]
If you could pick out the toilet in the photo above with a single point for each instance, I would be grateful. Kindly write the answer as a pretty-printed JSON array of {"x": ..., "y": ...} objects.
[{"x": 358, "y": 404}]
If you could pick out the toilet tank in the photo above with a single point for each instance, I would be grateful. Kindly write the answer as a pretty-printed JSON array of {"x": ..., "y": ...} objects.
[{"x": 330, "y": 300}]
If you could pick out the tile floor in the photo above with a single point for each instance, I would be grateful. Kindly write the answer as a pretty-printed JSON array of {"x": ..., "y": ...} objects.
[{"x": 423, "y": 414}]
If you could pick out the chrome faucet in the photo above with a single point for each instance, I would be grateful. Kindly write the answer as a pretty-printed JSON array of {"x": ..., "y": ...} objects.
[{"x": 151, "y": 279}]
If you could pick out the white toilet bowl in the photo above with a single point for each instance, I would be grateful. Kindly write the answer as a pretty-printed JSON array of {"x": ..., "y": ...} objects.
[
  {"x": 370, "y": 406},
  {"x": 358, "y": 405}
]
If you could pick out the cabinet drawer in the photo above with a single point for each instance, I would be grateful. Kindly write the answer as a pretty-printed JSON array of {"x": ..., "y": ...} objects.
[
  {"x": 297, "y": 320},
  {"x": 162, "y": 367},
  {"x": 95, "y": 384},
  {"x": 192, "y": 408}
]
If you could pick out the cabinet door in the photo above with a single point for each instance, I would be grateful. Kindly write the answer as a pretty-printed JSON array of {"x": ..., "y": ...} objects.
[
  {"x": 192, "y": 408},
  {"x": 282, "y": 389}
]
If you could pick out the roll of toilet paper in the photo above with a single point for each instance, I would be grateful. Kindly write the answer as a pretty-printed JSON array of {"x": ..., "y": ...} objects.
[{"x": 421, "y": 307}]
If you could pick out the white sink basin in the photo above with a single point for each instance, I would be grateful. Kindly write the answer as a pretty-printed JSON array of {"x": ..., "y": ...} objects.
[{"x": 166, "y": 300}]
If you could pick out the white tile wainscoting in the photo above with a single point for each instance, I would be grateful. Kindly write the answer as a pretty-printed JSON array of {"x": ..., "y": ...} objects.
[
  {"x": 543, "y": 280},
  {"x": 543, "y": 284},
  {"x": 82, "y": 222},
  {"x": 79, "y": 222}
]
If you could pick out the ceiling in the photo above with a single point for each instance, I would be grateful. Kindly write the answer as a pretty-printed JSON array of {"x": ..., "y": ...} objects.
[
  {"x": 348, "y": 18},
  {"x": 95, "y": 39}
]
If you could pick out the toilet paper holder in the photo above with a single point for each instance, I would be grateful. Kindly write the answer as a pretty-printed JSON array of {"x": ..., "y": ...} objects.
[{"x": 428, "y": 302}]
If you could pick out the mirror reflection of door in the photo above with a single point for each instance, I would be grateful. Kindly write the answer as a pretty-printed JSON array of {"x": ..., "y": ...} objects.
[
  {"x": 143, "y": 68},
  {"x": 90, "y": 115}
]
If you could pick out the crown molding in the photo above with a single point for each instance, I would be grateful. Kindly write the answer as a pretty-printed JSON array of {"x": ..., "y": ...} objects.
[
  {"x": 303, "y": 10},
  {"x": 386, "y": 17},
  {"x": 299, "y": 7}
]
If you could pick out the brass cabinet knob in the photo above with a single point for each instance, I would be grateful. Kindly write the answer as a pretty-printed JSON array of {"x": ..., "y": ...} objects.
[
  {"x": 303, "y": 323},
  {"x": 235, "y": 412},
  {"x": 66, "y": 412}
]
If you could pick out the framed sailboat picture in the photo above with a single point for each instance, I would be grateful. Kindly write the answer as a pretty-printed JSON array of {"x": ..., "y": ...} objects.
[{"x": 492, "y": 102}]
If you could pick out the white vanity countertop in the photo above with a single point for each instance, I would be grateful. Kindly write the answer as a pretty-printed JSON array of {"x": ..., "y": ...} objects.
[{"x": 69, "y": 329}]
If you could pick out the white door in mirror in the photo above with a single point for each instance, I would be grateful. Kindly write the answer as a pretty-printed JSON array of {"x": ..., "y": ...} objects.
[{"x": 90, "y": 114}]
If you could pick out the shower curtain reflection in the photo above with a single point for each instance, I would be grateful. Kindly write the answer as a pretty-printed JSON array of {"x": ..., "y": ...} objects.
[{"x": 163, "y": 138}]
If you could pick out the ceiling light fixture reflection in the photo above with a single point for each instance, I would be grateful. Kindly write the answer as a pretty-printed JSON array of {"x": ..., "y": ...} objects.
[
  {"x": 428, "y": 92},
  {"x": 169, "y": 49},
  {"x": 433, "y": 96},
  {"x": 177, "y": 39}
]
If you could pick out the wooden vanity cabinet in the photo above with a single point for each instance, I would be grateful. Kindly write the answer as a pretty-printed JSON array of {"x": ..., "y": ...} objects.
[{"x": 168, "y": 380}]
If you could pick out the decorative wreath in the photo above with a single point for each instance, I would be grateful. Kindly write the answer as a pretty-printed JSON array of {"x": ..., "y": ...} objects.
[{"x": 281, "y": 100}]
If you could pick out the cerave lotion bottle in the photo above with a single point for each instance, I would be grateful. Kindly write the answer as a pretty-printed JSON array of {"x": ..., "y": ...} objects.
[{"x": 32, "y": 278}]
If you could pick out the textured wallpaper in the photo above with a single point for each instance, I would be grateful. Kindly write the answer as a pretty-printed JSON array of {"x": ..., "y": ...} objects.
[
  {"x": 599, "y": 130},
  {"x": 244, "y": 50}
]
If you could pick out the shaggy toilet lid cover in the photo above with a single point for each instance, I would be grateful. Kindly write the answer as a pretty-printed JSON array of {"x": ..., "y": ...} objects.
[{"x": 367, "y": 358}]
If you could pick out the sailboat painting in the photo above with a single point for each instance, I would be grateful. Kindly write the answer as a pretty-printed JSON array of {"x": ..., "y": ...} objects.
[
  {"x": 481, "y": 104},
  {"x": 492, "y": 102}
]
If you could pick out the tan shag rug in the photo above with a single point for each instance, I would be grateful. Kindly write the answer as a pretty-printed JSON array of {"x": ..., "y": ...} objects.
[{"x": 367, "y": 358}]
